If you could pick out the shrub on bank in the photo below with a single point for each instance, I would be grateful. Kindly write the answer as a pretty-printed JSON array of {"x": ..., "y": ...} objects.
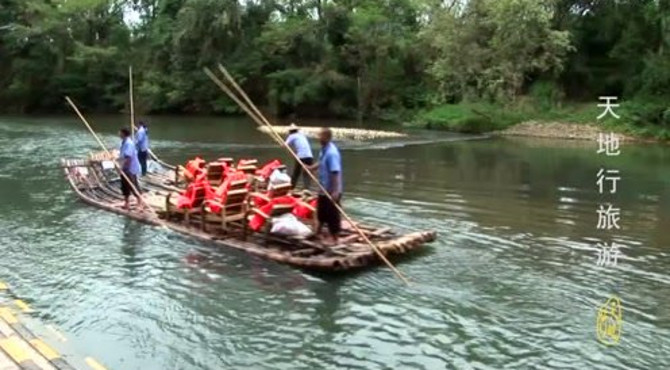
[
  {"x": 546, "y": 95},
  {"x": 464, "y": 118},
  {"x": 647, "y": 112},
  {"x": 648, "y": 117}
]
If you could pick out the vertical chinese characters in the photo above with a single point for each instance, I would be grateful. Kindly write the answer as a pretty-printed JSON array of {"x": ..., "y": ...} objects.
[
  {"x": 607, "y": 181},
  {"x": 609, "y": 319}
]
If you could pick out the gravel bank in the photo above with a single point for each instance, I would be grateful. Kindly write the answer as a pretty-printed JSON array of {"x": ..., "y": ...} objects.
[{"x": 559, "y": 130}]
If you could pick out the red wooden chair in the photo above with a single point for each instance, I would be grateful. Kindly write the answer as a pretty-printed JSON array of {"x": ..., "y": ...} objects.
[{"x": 229, "y": 202}]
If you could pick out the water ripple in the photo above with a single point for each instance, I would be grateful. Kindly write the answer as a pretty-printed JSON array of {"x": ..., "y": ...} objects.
[{"x": 510, "y": 283}]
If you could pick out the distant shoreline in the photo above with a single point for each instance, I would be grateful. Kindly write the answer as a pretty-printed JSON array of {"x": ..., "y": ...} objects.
[{"x": 571, "y": 121}]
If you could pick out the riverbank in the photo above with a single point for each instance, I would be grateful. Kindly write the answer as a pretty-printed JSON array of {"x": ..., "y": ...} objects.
[
  {"x": 645, "y": 122},
  {"x": 560, "y": 130}
]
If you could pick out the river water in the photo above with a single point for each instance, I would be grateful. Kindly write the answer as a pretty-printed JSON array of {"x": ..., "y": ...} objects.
[{"x": 512, "y": 281}]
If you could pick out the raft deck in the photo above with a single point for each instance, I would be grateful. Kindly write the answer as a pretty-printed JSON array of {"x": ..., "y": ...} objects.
[{"x": 97, "y": 183}]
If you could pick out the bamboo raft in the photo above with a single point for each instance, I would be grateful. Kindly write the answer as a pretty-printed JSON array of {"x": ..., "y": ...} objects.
[{"x": 96, "y": 183}]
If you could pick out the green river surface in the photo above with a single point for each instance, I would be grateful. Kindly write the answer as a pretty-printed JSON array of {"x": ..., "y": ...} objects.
[{"x": 512, "y": 282}]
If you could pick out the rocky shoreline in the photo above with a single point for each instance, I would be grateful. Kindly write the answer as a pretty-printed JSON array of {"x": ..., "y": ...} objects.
[{"x": 562, "y": 130}]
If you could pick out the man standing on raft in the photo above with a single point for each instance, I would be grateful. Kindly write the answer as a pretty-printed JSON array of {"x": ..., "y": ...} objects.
[
  {"x": 130, "y": 166},
  {"x": 330, "y": 177},
  {"x": 298, "y": 142},
  {"x": 142, "y": 143}
]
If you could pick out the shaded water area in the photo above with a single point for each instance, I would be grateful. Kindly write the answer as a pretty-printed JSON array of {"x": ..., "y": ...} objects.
[{"x": 512, "y": 281}]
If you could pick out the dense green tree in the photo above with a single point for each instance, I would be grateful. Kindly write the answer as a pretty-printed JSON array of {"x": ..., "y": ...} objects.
[
  {"x": 348, "y": 58},
  {"x": 73, "y": 47},
  {"x": 619, "y": 47},
  {"x": 490, "y": 48}
]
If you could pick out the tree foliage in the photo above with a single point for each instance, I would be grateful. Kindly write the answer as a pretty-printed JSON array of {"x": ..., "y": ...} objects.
[
  {"x": 492, "y": 48},
  {"x": 329, "y": 57}
]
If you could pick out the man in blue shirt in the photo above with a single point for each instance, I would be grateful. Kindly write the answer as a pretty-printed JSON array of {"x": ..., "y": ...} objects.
[
  {"x": 330, "y": 177},
  {"x": 142, "y": 142},
  {"x": 298, "y": 142},
  {"x": 130, "y": 166}
]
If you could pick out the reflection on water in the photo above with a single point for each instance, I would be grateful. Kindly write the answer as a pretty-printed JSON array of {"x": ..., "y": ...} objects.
[{"x": 512, "y": 281}]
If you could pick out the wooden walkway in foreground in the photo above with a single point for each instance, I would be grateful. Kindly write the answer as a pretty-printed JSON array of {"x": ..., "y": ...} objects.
[{"x": 21, "y": 349}]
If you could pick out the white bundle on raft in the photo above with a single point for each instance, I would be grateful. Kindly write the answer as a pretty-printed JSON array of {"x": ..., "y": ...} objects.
[
  {"x": 289, "y": 225},
  {"x": 278, "y": 178}
]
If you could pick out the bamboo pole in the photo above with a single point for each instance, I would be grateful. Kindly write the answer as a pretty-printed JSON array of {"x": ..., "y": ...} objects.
[
  {"x": 258, "y": 117},
  {"x": 132, "y": 118},
  {"x": 280, "y": 141},
  {"x": 132, "y": 104},
  {"x": 160, "y": 161},
  {"x": 116, "y": 165}
]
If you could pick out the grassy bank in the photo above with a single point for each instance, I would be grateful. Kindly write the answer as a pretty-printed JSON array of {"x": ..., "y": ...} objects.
[{"x": 644, "y": 119}]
